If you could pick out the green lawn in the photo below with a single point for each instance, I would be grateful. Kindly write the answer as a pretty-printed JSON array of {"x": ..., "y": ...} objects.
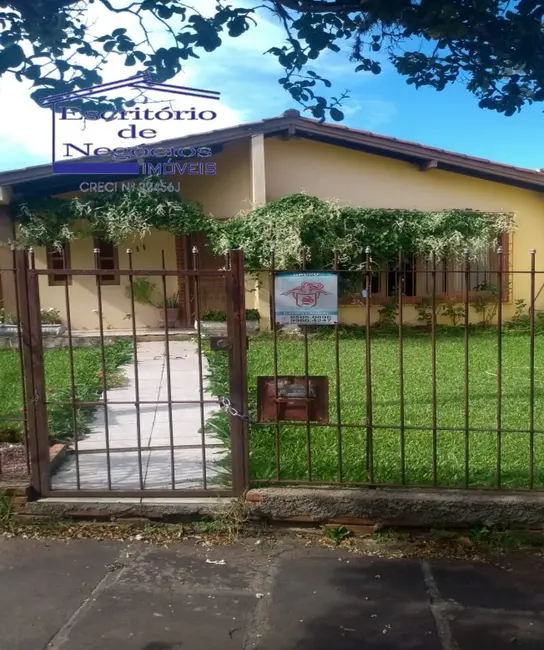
[
  {"x": 450, "y": 447},
  {"x": 87, "y": 366}
]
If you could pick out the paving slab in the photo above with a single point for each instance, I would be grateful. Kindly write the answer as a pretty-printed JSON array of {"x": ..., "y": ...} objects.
[
  {"x": 484, "y": 630},
  {"x": 124, "y": 620},
  {"x": 93, "y": 471},
  {"x": 493, "y": 586},
  {"x": 321, "y": 602},
  {"x": 188, "y": 468},
  {"x": 260, "y": 594},
  {"x": 154, "y": 422},
  {"x": 43, "y": 583}
]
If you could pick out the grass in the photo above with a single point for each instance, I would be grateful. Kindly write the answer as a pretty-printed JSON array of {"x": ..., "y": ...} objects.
[
  {"x": 337, "y": 534},
  {"x": 6, "y": 510},
  {"x": 418, "y": 448},
  {"x": 88, "y": 382}
]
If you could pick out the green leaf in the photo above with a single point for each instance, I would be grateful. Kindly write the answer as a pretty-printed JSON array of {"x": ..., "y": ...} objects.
[
  {"x": 33, "y": 72},
  {"x": 164, "y": 12},
  {"x": 11, "y": 57},
  {"x": 118, "y": 31},
  {"x": 336, "y": 114},
  {"x": 130, "y": 60}
]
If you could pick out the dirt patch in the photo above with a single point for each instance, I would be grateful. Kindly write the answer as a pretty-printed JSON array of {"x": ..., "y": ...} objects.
[{"x": 13, "y": 461}]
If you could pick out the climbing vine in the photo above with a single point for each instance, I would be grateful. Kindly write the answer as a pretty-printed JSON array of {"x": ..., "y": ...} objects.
[
  {"x": 288, "y": 228},
  {"x": 301, "y": 223},
  {"x": 118, "y": 216}
]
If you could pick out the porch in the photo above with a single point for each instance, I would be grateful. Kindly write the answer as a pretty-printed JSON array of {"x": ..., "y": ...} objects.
[{"x": 160, "y": 250}]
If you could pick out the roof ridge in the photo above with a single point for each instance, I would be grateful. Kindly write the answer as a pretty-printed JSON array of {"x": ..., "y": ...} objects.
[
  {"x": 421, "y": 146},
  {"x": 338, "y": 135}
]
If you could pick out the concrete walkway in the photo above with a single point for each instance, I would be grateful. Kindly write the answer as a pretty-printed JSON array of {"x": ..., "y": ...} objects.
[
  {"x": 156, "y": 438},
  {"x": 260, "y": 595}
]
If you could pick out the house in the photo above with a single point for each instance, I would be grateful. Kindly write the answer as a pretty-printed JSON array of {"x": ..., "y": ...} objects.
[{"x": 263, "y": 161}]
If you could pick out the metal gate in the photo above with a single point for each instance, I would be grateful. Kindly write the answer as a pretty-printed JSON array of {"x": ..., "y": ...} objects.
[{"x": 108, "y": 417}]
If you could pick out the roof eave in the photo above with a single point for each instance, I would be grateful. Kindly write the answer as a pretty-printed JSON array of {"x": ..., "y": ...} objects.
[
  {"x": 216, "y": 137},
  {"x": 332, "y": 134},
  {"x": 456, "y": 163}
]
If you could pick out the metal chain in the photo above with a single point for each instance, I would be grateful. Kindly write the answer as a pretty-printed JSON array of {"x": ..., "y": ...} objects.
[{"x": 226, "y": 405}]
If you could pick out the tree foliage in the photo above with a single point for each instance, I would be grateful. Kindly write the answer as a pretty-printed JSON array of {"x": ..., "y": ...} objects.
[
  {"x": 119, "y": 217},
  {"x": 300, "y": 226},
  {"x": 495, "y": 47}
]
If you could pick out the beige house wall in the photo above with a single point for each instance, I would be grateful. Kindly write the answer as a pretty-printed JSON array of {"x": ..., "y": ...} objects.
[
  {"x": 115, "y": 305},
  {"x": 367, "y": 180},
  {"x": 222, "y": 195},
  {"x": 228, "y": 191},
  {"x": 251, "y": 169}
]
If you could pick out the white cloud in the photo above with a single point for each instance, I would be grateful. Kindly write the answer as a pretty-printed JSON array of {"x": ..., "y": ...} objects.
[{"x": 370, "y": 114}]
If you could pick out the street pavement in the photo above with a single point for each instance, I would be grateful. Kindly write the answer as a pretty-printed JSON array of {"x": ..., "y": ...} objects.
[{"x": 261, "y": 594}]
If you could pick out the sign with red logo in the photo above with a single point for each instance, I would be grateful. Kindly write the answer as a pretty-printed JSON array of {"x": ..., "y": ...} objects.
[{"x": 306, "y": 298}]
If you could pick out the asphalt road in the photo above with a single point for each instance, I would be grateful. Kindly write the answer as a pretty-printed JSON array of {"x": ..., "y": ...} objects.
[{"x": 83, "y": 595}]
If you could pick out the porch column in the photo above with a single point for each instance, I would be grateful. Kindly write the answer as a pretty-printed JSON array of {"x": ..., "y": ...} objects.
[
  {"x": 258, "y": 174},
  {"x": 7, "y": 277},
  {"x": 261, "y": 296}
]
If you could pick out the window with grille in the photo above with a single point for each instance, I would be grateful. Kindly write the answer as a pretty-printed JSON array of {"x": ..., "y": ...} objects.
[
  {"x": 58, "y": 260},
  {"x": 108, "y": 258},
  {"x": 451, "y": 276},
  {"x": 405, "y": 276},
  {"x": 416, "y": 277}
]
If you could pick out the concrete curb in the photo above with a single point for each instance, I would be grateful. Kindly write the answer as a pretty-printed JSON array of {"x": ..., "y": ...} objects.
[
  {"x": 127, "y": 509},
  {"x": 397, "y": 507}
]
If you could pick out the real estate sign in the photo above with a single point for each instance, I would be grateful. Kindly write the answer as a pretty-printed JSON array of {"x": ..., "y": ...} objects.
[{"x": 306, "y": 298}]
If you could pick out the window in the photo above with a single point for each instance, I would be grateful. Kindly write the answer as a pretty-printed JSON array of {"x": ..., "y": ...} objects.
[
  {"x": 407, "y": 276},
  {"x": 417, "y": 278},
  {"x": 58, "y": 259},
  {"x": 107, "y": 259}
]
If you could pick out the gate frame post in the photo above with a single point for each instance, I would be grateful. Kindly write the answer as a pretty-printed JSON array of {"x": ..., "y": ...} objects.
[
  {"x": 34, "y": 374},
  {"x": 236, "y": 323}
]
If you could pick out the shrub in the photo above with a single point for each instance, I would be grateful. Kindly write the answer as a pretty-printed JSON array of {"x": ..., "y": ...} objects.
[
  {"x": 214, "y": 316},
  {"x": 142, "y": 290},
  {"x": 486, "y": 303},
  {"x": 387, "y": 313},
  {"x": 424, "y": 311},
  {"x": 453, "y": 310},
  {"x": 172, "y": 302},
  {"x": 50, "y": 316},
  {"x": 252, "y": 314}
]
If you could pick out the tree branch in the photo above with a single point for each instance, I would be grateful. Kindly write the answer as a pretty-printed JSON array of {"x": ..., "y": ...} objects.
[
  {"x": 315, "y": 6},
  {"x": 119, "y": 10}
]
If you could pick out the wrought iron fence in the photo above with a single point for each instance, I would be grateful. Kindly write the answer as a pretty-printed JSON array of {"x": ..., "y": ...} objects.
[
  {"x": 97, "y": 469},
  {"x": 436, "y": 390},
  {"x": 14, "y": 417}
]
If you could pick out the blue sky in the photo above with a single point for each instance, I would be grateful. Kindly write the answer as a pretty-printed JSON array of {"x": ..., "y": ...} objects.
[{"x": 247, "y": 80}]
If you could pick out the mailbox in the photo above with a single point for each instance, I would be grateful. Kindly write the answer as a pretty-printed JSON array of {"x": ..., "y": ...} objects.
[{"x": 297, "y": 399}]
